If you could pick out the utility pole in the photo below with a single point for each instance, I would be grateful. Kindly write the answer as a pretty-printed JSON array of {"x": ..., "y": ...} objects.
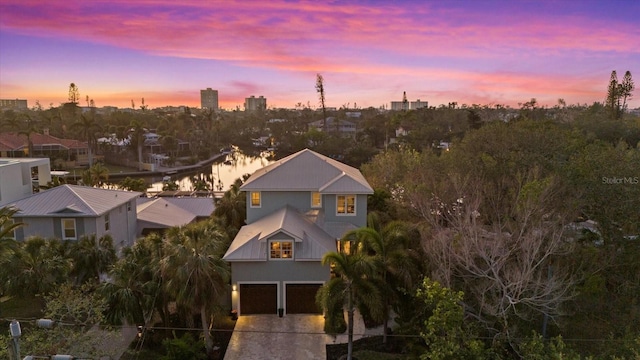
[{"x": 16, "y": 332}]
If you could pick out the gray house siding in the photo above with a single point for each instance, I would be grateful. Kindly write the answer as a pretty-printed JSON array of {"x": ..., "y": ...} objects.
[
  {"x": 274, "y": 200},
  {"x": 277, "y": 272},
  {"x": 359, "y": 219},
  {"x": 122, "y": 226}
]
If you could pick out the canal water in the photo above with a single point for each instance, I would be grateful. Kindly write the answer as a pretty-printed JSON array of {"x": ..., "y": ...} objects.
[{"x": 222, "y": 173}]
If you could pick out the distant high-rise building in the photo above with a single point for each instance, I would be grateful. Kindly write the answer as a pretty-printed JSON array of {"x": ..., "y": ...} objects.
[
  {"x": 413, "y": 105},
  {"x": 255, "y": 103},
  {"x": 410, "y": 105},
  {"x": 209, "y": 99},
  {"x": 15, "y": 104}
]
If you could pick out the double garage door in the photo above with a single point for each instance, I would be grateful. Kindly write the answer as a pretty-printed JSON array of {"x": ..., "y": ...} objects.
[{"x": 263, "y": 298}]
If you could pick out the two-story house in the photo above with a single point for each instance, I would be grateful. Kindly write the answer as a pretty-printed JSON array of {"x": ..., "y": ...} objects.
[
  {"x": 297, "y": 209},
  {"x": 68, "y": 212}
]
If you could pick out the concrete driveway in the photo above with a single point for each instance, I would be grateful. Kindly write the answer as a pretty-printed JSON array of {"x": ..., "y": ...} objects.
[{"x": 258, "y": 337}]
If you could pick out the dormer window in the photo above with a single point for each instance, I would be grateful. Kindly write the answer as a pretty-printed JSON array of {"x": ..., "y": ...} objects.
[
  {"x": 316, "y": 200},
  {"x": 345, "y": 204},
  {"x": 282, "y": 250},
  {"x": 256, "y": 200}
]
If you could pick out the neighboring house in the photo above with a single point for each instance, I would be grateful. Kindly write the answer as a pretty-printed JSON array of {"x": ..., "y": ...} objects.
[
  {"x": 297, "y": 209},
  {"x": 18, "y": 176},
  {"x": 160, "y": 214},
  {"x": 67, "y": 152},
  {"x": 69, "y": 211},
  {"x": 344, "y": 127}
]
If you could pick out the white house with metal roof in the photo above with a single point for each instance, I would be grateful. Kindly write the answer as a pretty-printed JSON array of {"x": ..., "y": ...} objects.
[
  {"x": 69, "y": 211},
  {"x": 297, "y": 209}
]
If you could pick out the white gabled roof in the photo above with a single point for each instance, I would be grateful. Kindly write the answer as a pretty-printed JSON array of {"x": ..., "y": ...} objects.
[
  {"x": 72, "y": 199},
  {"x": 307, "y": 170},
  {"x": 251, "y": 242}
]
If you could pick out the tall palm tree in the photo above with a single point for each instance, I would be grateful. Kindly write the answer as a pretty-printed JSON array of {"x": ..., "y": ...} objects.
[
  {"x": 27, "y": 128},
  {"x": 389, "y": 245},
  {"x": 136, "y": 139},
  {"x": 193, "y": 269},
  {"x": 92, "y": 257},
  {"x": 88, "y": 127},
  {"x": 355, "y": 285}
]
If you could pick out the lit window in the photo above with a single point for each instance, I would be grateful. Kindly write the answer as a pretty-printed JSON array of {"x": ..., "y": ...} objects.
[
  {"x": 69, "y": 229},
  {"x": 316, "y": 200},
  {"x": 106, "y": 222},
  {"x": 281, "y": 250},
  {"x": 346, "y": 205},
  {"x": 255, "y": 199}
]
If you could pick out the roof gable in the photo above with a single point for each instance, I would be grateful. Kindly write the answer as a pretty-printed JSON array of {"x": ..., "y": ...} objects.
[
  {"x": 78, "y": 200},
  {"x": 250, "y": 243},
  {"x": 307, "y": 170}
]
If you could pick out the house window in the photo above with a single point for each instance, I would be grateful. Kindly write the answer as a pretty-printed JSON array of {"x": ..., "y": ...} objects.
[
  {"x": 255, "y": 199},
  {"x": 129, "y": 206},
  {"x": 69, "y": 229},
  {"x": 281, "y": 250},
  {"x": 316, "y": 200},
  {"x": 346, "y": 205},
  {"x": 106, "y": 222}
]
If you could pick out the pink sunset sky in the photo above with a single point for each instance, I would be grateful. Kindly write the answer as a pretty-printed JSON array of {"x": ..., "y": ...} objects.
[{"x": 369, "y": 52}]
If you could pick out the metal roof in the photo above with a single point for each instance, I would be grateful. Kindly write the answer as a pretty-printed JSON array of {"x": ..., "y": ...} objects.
[
  {"x": 161, "y": 212},
  {"x": 251, "y": 242},
  {"x": 72, "y": 199},
  {"x": 307, "y": 170},
  {"x": 198, "y": 206}
]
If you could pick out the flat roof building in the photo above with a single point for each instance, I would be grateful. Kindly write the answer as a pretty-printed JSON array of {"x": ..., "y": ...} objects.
[{"x": 209, "y": 99}]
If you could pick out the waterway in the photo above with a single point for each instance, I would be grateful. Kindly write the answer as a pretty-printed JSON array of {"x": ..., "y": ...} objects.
[{"x": 221, "y": 174}]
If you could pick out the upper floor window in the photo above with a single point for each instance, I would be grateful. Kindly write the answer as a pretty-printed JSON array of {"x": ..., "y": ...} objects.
[
  {"x": 316, "y": 200},
  {"x": 346, "y": 204},
  {"x": 107, "y": 221},
  {"x": 281, "y": 250},
  {"x": 255, "y": 199},
  {"x": 69, "y": 229}
]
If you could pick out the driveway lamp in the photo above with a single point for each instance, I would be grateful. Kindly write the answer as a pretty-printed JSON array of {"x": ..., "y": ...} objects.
[{"x": 16, "y": 332}]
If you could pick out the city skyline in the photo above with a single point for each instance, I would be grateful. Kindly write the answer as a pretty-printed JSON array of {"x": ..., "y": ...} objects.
[{"x": 368, "y": 52}]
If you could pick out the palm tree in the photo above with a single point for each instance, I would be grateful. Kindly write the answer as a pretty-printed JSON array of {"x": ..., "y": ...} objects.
[
  {"x": 134, "y": 288},
  {"x": 136, "y": 138},
  {"x": 390, "y": 247},
  {"x": 96, "y": 175},
  {"x": 88, "y": 128},
  {"x": 37, "y": 267},
  {"x": 354, "y": 286},
  {"x": 8, "y": 244},
  {"x": 27, "y": 129},
  {"x": 193, "y": 269},
  {"x": 92, "y": 257},
  {"x": 232, "y": 206}
]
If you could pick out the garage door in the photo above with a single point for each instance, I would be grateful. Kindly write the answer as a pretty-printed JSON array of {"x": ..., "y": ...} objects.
[
  {"x": 258, "y": 299},
  {"x": 301, "y": 299}
]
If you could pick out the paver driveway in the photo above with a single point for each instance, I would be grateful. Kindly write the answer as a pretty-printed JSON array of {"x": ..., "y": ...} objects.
[{"x": 259, "y": 337}]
